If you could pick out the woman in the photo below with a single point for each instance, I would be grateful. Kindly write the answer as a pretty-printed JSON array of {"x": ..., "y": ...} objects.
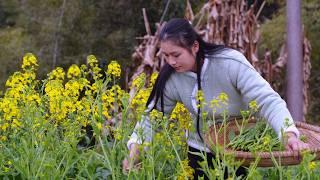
[{"x": 192, "y": 65}]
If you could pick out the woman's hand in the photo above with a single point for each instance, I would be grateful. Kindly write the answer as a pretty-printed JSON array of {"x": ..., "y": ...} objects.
[
  {"x": 293, "y": 143},
  {"x": 133, "y": 160}
]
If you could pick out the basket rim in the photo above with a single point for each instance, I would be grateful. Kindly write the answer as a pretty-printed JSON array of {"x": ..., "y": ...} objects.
[
  {"x": 266, "y": 154},
  {"x": 276, "y": 154}
]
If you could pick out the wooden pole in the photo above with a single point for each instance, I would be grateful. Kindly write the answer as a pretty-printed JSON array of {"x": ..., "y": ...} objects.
[{"x": 294, "y": 65}]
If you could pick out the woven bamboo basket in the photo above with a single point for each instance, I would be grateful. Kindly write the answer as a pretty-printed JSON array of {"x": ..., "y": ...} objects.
[{"x": 285, "y": 158}]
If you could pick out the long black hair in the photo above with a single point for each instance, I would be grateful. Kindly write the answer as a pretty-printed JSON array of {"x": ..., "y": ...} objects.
[{"x": 181, "y": 33}]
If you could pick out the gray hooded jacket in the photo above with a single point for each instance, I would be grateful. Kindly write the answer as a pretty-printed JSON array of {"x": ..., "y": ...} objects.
[{"x": 229, "y": 72}]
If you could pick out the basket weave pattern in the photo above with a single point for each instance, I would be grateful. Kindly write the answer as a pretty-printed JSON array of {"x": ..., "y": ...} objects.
[{"x": 285, "y": 158}]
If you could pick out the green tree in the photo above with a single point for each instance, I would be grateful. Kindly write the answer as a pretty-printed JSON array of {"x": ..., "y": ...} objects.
[{"x": 62, "y": 32}]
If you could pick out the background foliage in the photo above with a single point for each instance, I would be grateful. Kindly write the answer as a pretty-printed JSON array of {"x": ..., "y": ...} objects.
[{"x": 61, "y": 32}]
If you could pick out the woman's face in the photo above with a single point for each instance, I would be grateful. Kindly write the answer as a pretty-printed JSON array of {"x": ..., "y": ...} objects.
[{"x": 181, "y": 59}]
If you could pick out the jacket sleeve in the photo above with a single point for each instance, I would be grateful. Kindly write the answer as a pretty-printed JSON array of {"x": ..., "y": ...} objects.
[
  {"x": 253, "y": 86},
  {"x": 143, "y": 131}
]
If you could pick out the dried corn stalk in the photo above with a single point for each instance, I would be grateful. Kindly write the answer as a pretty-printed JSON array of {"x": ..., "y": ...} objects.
[
  {"x": 231, "y": 23},
  {"x": 306, "y": 73}
]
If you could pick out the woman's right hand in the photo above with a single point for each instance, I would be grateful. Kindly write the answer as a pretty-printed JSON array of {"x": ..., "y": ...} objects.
[{"x": 133, "y": 160}]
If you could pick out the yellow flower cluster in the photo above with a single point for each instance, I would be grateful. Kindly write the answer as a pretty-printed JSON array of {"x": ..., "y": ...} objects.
[
  {"x": 185, "y": 172},
  {"x": 253, "y": 106},
  {"x": 10, "y": 108},
  {"x": 92, "y": 61},
  {"x": 200, "y": 96},
  {"x": 73, "y": 71},
  {"x": 57, "y": 74},
  {"x": 180, "y": 114},
  {"x": 223, "y": 97},
  {"x": 153, "y": 78},
  {"x": 20, "y": 92},
  {"x": 20, "y": 80},
  {"x": 95, "y": 71},
  {"x": 183, "y": 116},
  {"x": 63, "y": 99},
  {"x": 74, "y": 87},
  {"x": 139, "y": 101},
  {"x": 118, "y": 134},
  {"x": 312, "y": 165},
  {"x": 114, "y": 69},
  {"x": 139, "y": 81},
  {"x": 29, "y": 62},
  {"x": 156, "y": 115},
  {"x": 54, "y": 91},
  {"x": 266, "y": 140},
  {"x": 84, "y": 110},
  {"x": 111, "y": 100},
  {"x": 219, "y": 101},
  {"x": 68, "y": 101}
]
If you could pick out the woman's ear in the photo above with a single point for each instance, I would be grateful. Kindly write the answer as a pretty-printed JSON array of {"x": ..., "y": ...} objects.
[{"x": 195, "y": 48}]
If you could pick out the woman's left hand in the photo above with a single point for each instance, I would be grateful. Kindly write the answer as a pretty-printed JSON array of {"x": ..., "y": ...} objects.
[{"x": 293, "y": 143}]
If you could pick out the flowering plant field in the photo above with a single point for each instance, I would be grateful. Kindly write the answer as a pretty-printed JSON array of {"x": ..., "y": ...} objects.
[{"x": 76, "y": 123}]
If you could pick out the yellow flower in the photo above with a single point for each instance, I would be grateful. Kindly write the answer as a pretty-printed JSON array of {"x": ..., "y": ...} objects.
[
  {"x": 3, "y": 138},
  {"x": 16, "y": 123},
  {"x": 219, "y": 101},
  {"x": 9, "y": 107},
  {"x": 181, "y": 114},
  {"x": 29, "y": 61},
  {"x": 266, "y": 140},
  {"x": 18, "y": 80},
  {"x": 200, "y": 96},
  {"x": 186, "y": 172},
  {"x": 117, "y": 134},
  {"x": 139, "y": 81},
  {"x": 312, "y": 165},
  {"x": 73, "y": 88},
  {"x": 153, "y": 78},
  {"x": 4, "y": 126},
  {"x": 99, "y": 125},
  {"x": 139, "y": 101},
  {"x": 96, "y": 72},
  {"x": 215, "y": 103},
  {"x": 57, "y": 74},
  {"x": 114, "y": 69},
  {"x": 92, "y": 61},
  {"x": 155, "y": 115},
  {"x": 253, "y": 106},
  {"x": 54, "y": 88},
  {"x": 29, "y": 77},
  {"x": 73, "y": 71},
  {"x": 171, "y": 125},
  {"x": 223, "y": 97}
]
